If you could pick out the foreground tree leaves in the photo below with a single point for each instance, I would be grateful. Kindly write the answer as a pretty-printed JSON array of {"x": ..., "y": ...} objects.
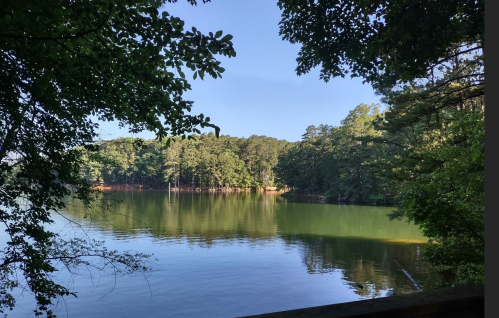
[
  {"x": 379, "y": 40},
  {"x": 443, "y": 188},
  {"x": 440, "y": 123},
  {"x": 62, "y": 62}
]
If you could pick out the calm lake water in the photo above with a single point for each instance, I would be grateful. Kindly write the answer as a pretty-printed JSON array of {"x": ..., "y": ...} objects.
[{"x": 229, "y": 255}]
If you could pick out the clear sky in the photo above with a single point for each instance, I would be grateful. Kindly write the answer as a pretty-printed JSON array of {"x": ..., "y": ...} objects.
[{"x": 260, "y": 93}]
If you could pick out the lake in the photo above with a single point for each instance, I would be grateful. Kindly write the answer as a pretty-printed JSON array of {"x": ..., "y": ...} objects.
[{"x": 229, "y": 255}]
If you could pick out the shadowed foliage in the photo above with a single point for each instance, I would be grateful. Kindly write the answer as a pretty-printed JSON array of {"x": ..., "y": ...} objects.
[{"x": 64, "y": 64}]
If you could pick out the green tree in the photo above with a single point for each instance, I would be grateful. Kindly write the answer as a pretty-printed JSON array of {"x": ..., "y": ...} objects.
[
  {"x": 378, "y": 40},
  {"x": 427, "y": 59},
  {"x": 227, "y": 168},
  {"x": 171, "y": 162},
  {"x": 357, "y": 180},
  {"x": 300, "y": 168},
  {"x": 190, "y": 161},
  {"x": 62, "y": 62},
  {"x": 448, "y": 202},
  {"x": 336, "y": 161},
  {"x": 442, "y": 166}
]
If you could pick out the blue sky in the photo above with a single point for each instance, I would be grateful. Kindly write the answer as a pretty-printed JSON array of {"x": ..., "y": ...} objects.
[{"x": 260, "y": 93}]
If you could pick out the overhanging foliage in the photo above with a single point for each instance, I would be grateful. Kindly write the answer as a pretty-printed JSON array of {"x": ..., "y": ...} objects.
[{"x": 62, "y": 62}]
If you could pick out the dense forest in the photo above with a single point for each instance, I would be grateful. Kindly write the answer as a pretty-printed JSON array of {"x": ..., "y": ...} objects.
[
  {"x": 335, "y": 162},
  {"x": 360, "y": 161},
  {"x": 329, "y": 161},
  {"x": 201, "y": 161}
]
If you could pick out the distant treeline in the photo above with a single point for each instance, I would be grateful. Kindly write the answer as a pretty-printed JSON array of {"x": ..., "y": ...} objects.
[
  {"x": 206, "y": 161},
  {"x": 335, "y": 162},
  {"x": 359, "y": 161},
  {"x": 328, "y": 161}
]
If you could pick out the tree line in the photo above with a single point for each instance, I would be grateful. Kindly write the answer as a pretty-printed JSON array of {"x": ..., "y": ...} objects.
[
  {"x": 332, "y": 161},
  {"x": 328, "y": 161},
  {"x": 200, "y": 161}
]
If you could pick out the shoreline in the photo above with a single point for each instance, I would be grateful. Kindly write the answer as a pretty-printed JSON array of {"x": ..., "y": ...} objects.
[
  {"x": 184, "y": 188},
  {"x": 321, "y": 198},
  {"x": 285, "y": 193}
]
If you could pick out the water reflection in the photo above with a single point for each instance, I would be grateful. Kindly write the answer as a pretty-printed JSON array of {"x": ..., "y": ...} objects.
[
  {"x": 374, "y": 264},
  {"x": 358, "y": 241},
  {"x": 207, "y": 217}
]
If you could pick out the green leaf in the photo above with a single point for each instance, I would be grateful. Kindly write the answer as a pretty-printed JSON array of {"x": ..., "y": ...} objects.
[{"x": 227, "y": 38}]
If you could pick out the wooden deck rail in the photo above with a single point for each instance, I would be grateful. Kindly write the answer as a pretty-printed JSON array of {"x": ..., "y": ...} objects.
[{"x": 457, "y": 302}]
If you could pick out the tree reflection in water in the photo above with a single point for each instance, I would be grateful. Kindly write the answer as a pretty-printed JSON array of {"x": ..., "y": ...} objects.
[{"x": 358, "y": 241}]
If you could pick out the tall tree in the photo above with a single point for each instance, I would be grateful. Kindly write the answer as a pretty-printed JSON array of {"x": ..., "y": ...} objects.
[
  {"x": 335, "y": 161},
  {"x": 357, "y": 180},
  {"x": 443, "y": 166},
  {"x": 62, "y": 62}
]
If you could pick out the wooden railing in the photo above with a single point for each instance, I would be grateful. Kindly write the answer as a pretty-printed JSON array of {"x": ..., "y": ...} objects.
[{"x": 457, "y": 302}]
